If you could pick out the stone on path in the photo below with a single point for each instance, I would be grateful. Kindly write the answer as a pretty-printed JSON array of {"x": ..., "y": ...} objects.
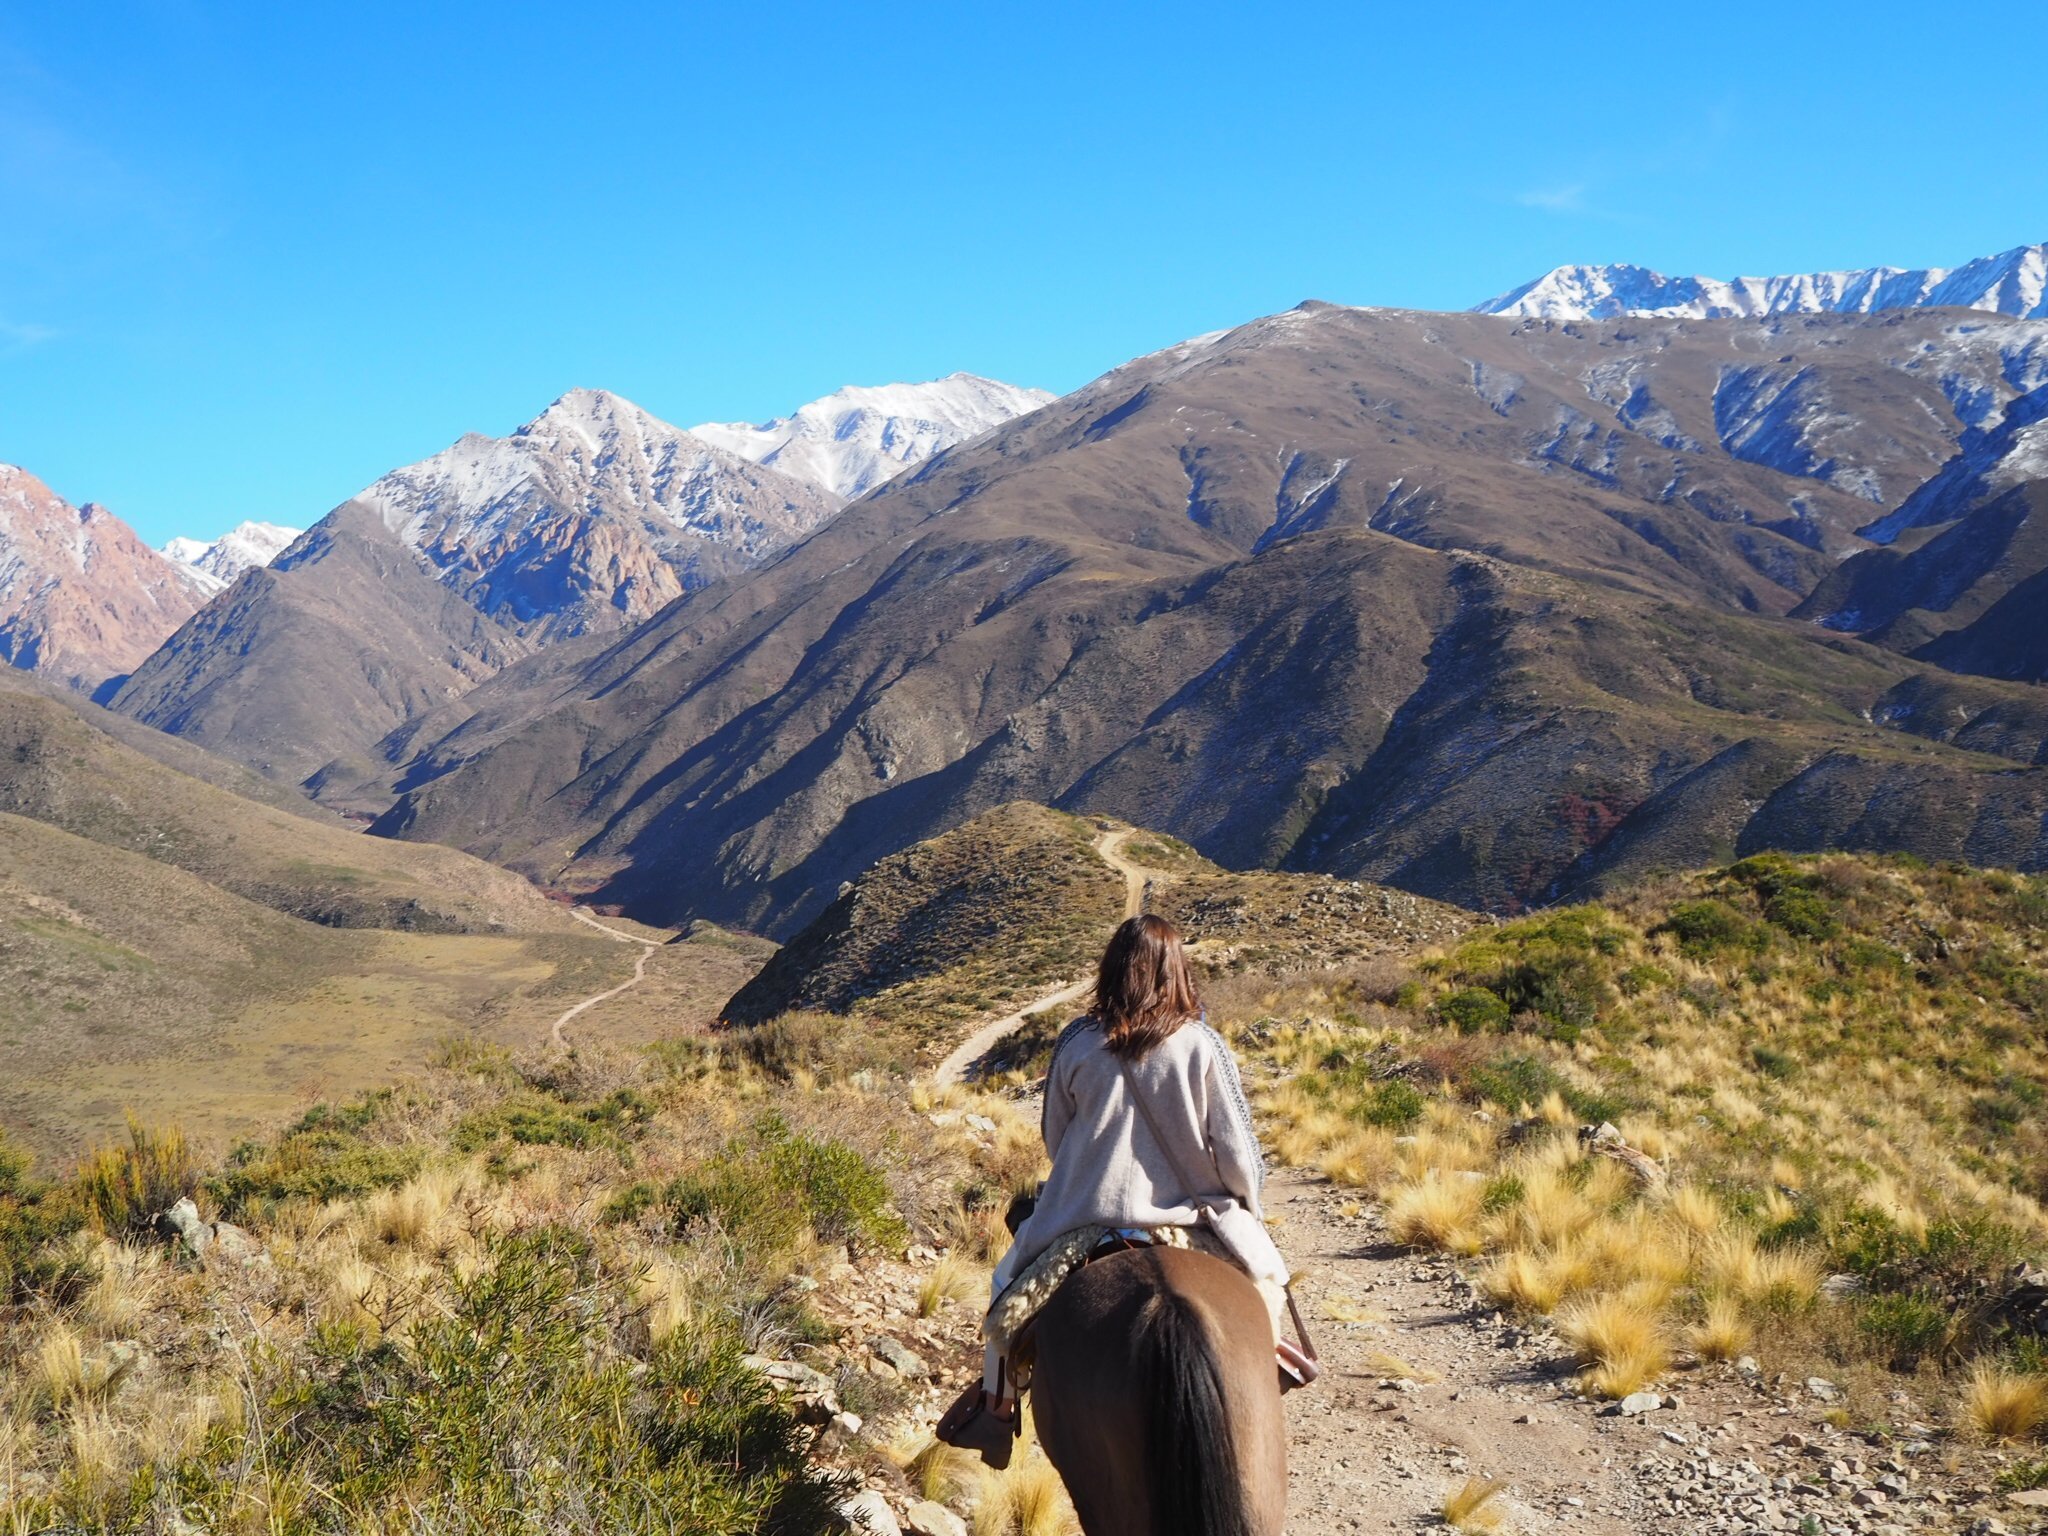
[
  {"x": 929, "y": 1519},
  {"x": 866, "y": 1511}
]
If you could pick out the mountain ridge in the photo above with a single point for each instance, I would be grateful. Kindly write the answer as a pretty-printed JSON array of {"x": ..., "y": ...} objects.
[{"x": 2013, "y": 282}]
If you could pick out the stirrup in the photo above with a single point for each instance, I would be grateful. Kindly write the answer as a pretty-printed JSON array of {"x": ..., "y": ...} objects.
[{"x": 1296, "y": 1368}]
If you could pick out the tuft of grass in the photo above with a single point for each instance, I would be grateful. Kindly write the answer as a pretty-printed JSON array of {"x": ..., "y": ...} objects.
[
  {"x": 1723, "y": 1334},
  {"x": 935, "y": 1470},
  {"x": 1470, "y": 1506},
  {"x": 1025, "y": 1499},
  {"x": 2003, "y": 1404},
  {"x": 951, "y": 1279},
  {"x": 1437, "y": 1210},
  {"x": 1379, "y": 1362},
  {"x": 1620, "y": 1339}
]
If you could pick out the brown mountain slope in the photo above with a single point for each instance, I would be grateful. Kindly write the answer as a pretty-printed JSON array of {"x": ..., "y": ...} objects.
[
  {"x": 1133, "y": 602},
  {"x": 82, "y": 598},
  {"x": 177, "y": 807},
  {"x": 1968, "y": 596},
  {"x": 324, "y": 651}
]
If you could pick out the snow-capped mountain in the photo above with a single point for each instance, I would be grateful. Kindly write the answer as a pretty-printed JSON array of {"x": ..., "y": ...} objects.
[
  {"x": 241, "y": 548},
  {"x": 855, "y": 438},
  {"x": 82, "y": 598},
  {"x": 591, "y": 516},
  {"x": 2015, "y": 282}
]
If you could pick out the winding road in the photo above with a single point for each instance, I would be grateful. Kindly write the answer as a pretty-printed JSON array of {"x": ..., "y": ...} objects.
[
  {"x": 1110, "y": 847},
  {"x": 559, "y": 1040}
]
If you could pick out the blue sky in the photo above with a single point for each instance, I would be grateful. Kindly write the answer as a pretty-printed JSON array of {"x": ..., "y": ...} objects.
[{"x": 253, "y": 256}]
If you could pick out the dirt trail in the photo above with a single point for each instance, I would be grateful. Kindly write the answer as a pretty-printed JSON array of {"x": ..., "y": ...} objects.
[
  {"x": 647, "y": 948},
  {"x": 1110, "y": 846},
  {"x": 1373, "y": 1447}
]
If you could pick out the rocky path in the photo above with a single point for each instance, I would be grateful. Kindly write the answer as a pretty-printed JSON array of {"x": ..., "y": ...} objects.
[
  {"x": 1424, "y": 1387},
  {"x": 556, "y": 1037},
  {"x": 1110, "y": 845}
]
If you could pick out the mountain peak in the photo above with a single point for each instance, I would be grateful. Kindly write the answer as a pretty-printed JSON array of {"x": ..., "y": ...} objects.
[
  {"x": 853, "y": 439},
  {"x": 219, "y": 562},
  {"x": 2013, "y": 282}
]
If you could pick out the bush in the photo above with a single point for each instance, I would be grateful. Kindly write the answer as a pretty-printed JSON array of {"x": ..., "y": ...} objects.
[
  {"x": 323, "y": 1157},
  {"x": 534, "y": 1121},
  {"x": 1395, "y": 1105},
  {"x": 123, "y": 1188},
  {"x": 34, "y": 1217},
  {"x": 1511, "y": 1081},
  {"x": 1474, "y": 1011},
  {"x": 1906, "y": 1328},
  {"x": 512, "y": 1411},
  {"x": 1709, "y": 928},
  {"x": 767, "y": 1188}
]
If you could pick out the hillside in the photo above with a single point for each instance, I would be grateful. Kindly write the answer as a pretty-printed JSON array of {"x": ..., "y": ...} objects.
[
  {"x": 320, "y": 653},
  {"x": 176, "y": 946},
  {"x": 68, "y": 767},
  {"x": 1510, "y": 588},
  {"x": 1016, "y": 904}
]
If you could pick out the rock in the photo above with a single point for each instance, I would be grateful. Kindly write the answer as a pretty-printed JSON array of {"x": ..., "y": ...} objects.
[
  {"x": 1747, "y": 1366},
  {"x": 109, "y": 1366},
  {"x": 2032, "y": 1498},
  {"x": 1842, "y": 1287},
  {"x": 907, "y": 1362},
  {"x": 1637, "y": 1403},
  {"x": 981, "y": 1123},
  {"x": 847, "y": 1424},
  {"x": 1823, "y": 1389},
  {"x": 235, "y": 1245},
  {"x": 929, "y": 1519},
  {"x": 182, "y": 1222},
  {"x": 867, "y": 1511}
]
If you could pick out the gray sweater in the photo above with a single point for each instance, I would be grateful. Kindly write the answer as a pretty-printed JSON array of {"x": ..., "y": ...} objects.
[{"x": 1109, "y": 1170}]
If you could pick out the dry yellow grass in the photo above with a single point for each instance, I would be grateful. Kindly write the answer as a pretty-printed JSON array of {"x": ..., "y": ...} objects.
[
  {"x": 935, "y": 1470},
  {"x": 2004, "y": 1405},
  {"x": 951, "y": 1279},
  {"x": 1440, "y": 1209},
  {"x": 1620, "y": 1338},
  {"x": 1025, "y": 1499},
  {"x": 1379, "y": 1362},
  {"x": 1470, "y": 1506},
  {"x": 1723, "y": 1334}
]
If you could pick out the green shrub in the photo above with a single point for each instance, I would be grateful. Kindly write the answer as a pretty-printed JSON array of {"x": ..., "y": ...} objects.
[
  {"x": 765, "y": 1189},
  {"x": 1906, "y": 1327},
  {"x": 325, "y": 1156},
  {"x": 511, "y": 1411},
  {"x": 1395, "y": 1104},
  {"x": 1511, "y": 1081},
  {"x": 1473, "y": 1011},
  {"x": 532, "y": 1120},
  {"x": 123, "y": 1188},
  {"x": 34, "y": 1219},
  {"x": 1805, "y": 914},
  {"x": 1709, "y": 928},
  {"x": 1772, "y": 1063}
]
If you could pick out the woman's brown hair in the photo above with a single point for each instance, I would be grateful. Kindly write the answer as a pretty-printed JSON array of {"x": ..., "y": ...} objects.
[{"x": 1143, "y": 991}]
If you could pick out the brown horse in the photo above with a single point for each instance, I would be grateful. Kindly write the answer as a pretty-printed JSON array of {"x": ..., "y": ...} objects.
[{"x": 1157, "y": 1398}]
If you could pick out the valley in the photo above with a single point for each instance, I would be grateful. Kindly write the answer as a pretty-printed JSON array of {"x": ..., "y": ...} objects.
[{"x": 613, "y": 889}]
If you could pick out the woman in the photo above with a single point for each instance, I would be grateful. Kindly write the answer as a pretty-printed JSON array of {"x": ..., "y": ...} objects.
[{"x": 1147, "y": 1126}]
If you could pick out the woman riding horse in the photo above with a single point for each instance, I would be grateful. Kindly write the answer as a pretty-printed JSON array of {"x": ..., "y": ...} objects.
[{"x": 1154, "y": 1362}]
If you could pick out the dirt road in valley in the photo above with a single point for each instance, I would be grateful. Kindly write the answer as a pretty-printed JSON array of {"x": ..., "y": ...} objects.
[
  {"x": 1110, "y": 846},
  {"x": 556, "y": 1037}
]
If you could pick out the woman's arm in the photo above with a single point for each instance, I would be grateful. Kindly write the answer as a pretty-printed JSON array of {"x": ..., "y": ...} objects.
[
  {"x": 1233, "y": 1141},
  {"x": 1058, "y": 1110}
]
